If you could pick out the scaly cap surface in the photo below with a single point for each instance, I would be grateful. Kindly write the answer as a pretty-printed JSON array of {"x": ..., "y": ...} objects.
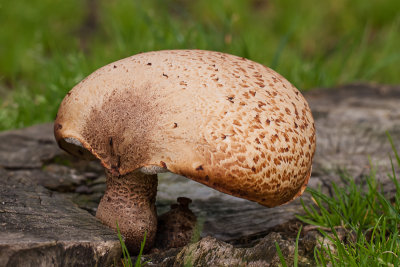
[{"x": 224, "y": 121}]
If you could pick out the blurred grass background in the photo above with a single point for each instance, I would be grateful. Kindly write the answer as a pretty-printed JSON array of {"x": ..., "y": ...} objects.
[{"x": 47, "y": 46}]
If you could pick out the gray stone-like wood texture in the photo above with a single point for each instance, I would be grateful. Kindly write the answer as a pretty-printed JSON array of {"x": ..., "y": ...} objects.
[{"x": 39, "y": 228}]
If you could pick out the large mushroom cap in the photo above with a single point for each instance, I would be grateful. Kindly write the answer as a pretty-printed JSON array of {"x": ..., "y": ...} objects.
[{"x": 222, "y": 120}]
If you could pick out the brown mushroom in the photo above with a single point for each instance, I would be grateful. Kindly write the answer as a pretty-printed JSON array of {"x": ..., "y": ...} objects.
[
  {"x": 175, "y": 227},
  {"x": 221, "y": 120}
]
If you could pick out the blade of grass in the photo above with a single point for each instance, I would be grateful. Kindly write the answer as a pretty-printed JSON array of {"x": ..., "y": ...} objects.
[
  {"x": 138, "y": 262},
  {"x": 127, "y": 261},
  {"x": 296, "y": 248},
  {"x": 393, "y": 148},
  {"x": 281, "y": 258}
]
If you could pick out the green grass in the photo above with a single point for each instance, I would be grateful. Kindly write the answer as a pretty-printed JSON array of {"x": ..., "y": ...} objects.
[
  {"x": 296, "y": 251},
  {"x": 370, "y": 219},
  {"x": 126, "y": 257},
  {"x": 198, "y": 229},
  {"x": 47, "y": 47}
]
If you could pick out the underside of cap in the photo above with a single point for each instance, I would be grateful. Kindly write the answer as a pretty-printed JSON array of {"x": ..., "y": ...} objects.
[
  {"x": 75, "y": 147},
  {"x": 224, "y": 121}
]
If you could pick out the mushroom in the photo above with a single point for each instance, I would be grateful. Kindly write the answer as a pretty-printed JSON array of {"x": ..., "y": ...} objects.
[
  {"x": 175, "y": 227},
  {"x": 224, "y": 121}
]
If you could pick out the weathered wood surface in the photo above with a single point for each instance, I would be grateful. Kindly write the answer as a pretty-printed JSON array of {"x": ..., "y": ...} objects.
[
  {"x": 39, "y": 180},
  {"x": 39, "y": 228}
]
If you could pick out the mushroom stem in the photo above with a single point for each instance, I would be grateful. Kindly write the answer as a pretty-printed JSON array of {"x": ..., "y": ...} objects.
[{"x": 130, "y": 200}]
